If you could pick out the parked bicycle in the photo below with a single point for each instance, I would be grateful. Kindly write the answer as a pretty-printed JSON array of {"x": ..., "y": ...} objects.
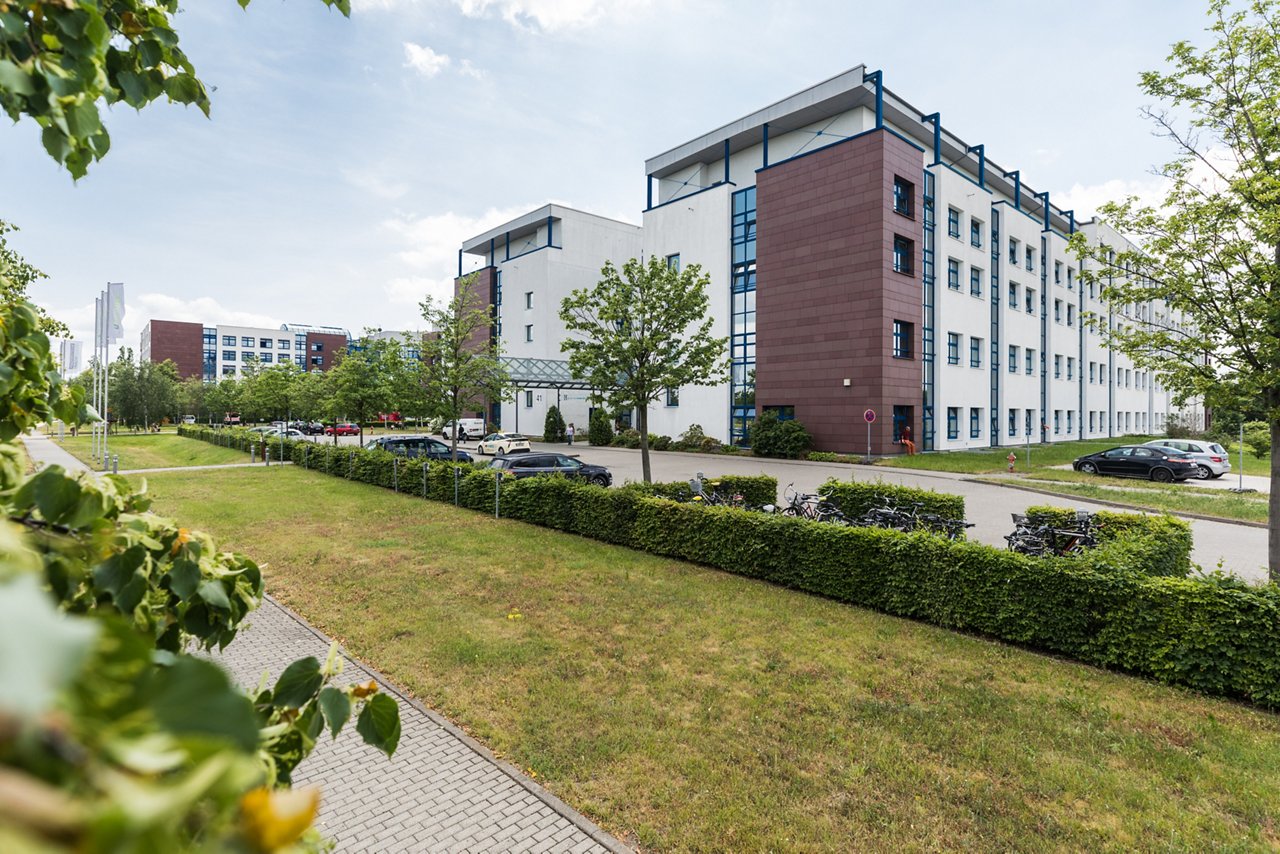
[
  {"x": 818, "y": 508},
  {"x": 886, "y": 513},
  {"x": 713, "y": 497},
  {"x": 1045, "y": 540}
]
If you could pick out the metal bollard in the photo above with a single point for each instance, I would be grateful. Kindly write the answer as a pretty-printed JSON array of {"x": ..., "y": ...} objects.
[
  {"x": 106, "y": 461},
  {"x": 115, "y": 464},
  {"x": 253, "y": 454},
  {"x": 395, "y": 474}
]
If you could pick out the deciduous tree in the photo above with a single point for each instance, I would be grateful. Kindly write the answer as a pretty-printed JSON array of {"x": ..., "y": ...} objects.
[{"x": 642, "y": 330}]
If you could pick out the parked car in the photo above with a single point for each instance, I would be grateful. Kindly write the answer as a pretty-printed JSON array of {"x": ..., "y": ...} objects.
[
  {"x": 343, "y": 428},
  {"x": 1158, "y": 464},
  {"x": 310, "y": 428},
  {"x": 416, "y": 446},
  {"x": 468, "y": 428},
  {"x": 188, "y": 419},
  {"x": 261, "y": 428},
  {"x": 286, "y": 432},
  {"x": 529, "y": 465},
  {"x": 1211, "y": 458},
  {"x": 502, "y": 443}
]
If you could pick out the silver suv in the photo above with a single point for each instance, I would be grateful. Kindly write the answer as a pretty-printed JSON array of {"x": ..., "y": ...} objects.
[{"x": 1210, "y": 458}]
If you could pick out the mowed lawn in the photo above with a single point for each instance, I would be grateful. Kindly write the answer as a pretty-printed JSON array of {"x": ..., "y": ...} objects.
[
  {"x": 687, "y": 709},
  {"x": 155, "y": 450},
  {"x": 988, "y": 460}
]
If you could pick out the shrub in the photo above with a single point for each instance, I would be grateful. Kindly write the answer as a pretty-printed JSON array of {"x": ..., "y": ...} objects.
[
  {"x": 600, "y": 429},
  {"x": 855, "y": 499},
  {"x": 1257, "y": 438},
  {"x": 691, "y": 439},
  {"x": 628, "y": 438},
  {"x": 756, "y": 490},
  {"x": 773, "y": 437},
  {"x": 660, "y": 443},
  {"x": 553, "y": 425}
]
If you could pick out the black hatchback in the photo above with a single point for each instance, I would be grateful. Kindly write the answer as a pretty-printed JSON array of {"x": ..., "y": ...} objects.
[
  {"x": 1159, "y": 464},
  {"x": 415, "y": 447},
  {"x": 530, "y": 465}
]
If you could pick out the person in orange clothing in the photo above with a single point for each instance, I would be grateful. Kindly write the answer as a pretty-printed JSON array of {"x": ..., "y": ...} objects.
[{"x": 904, "y": 438}]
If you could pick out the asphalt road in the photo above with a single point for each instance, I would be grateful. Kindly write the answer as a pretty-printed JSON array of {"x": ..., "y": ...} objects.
[{"x": 1239, "y": 549}]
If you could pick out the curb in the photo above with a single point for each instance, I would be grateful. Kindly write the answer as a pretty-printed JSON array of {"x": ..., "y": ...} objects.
[
  {"x": 1202, "y": 517},
  {"x": 557, "y": 806}
]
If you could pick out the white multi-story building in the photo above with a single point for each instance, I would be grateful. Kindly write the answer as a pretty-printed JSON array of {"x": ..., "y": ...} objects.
[
  {"x": 865, "y": 263},
  {"x": 215, "y": 352}
]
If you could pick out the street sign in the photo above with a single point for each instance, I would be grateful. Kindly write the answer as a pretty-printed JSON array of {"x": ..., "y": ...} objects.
[{"x": 869, "y": 416}]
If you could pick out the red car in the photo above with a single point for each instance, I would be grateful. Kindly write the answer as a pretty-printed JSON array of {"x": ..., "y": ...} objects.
[{"x": 344, "y": 429}]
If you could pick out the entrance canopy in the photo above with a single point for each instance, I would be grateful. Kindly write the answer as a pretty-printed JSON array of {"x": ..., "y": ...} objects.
[{"x": 543, "y": 373}]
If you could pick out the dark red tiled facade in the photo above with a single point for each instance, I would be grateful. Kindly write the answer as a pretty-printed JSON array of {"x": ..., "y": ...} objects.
[
  {"x": 181, "y": 342},
  {"x": 330, "y": 347},
  {"x": 827, "y": 293},
  {"x": 483, "y": 284}
]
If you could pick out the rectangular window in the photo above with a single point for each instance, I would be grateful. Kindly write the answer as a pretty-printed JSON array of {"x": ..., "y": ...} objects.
[
  {"x": 1031, "y": 258},
  {"x": 1013, "y": 295},
  {"x": 975, "y": 352},
  {"x": 1071, "y": 367},
  {"x": 264, "y": 343},
  {"x": 528, "y": 299},
  {"x": 953, "y": 274},
  {"x": 317, "y": 361},
  {"x": 953, "y": 422},
  {"x": 953, "y": 348},
  {"x": 1013, "y": 251},
  {"x": 1057, "y": 272},
  {"x": 246, "y": 357},
  {"x": 1071, "y": 421},
  {"x": 1092, "y": 421},
  {"x": 246, "y": 341},
  {"x": 1057, "y": 421},
  {"x": 317, "y": 347},
  {"x": 300, "y": 360},
  {"x": 228, "y": 340},
  {"x": 1071, "y": 280},
  {"x": 673, "y": 262},
  {"x": 1031, "y": 301},
  {"x": 229, "y": 370},
  {"x": 1031, "y": 360},
  {"x": 528, "y": 400},
  {"x": 1071, "y": 315},
  {"x": 903, "y": 255},
  {"x": 528, "y": 332},
  {"x": 1013, "y": 358},
  {"x": 903, "y": 340},
  {"x": 1057, "y": 311},
  {"x": 1027, "y": 418},
  {"x": 953, "y": 222},
  {"x": 673, "y": 397},
  {"x": 1057, "y": 367},
  {"x": 228, "y": 355},
  {"x": 975, "y": 281},
  {"x": 1092, "y": 368},
  {"x": 975, "y": 231},
  {"x": 975, "y": 423},
  {"x": 265, "y": 358},
  {"x": 282, "y": 343},
  {"x": 1013, "y": 422},
  {"x": 904, "y": 196}
]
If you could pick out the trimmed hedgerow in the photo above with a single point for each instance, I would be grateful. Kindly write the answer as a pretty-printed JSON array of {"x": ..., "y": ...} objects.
[
  {"x": 855, "y": 499},
  {"x": 1107, "y": 607},
  {"x": 1153, "y": 545},
  {"x": 756, "y": 490}
]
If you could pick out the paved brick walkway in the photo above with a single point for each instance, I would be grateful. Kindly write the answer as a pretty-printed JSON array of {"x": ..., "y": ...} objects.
[{"x": 442, "y": 791}]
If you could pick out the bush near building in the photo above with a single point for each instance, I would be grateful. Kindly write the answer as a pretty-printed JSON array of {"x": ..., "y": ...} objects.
[
  {"x": 771, "y": 436},
  {"x": 600, "y": 429},
  {"x": 553, "y": 425}
]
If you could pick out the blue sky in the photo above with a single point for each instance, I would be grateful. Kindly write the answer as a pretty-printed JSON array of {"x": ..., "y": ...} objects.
[{"x": 346, "y": 159}]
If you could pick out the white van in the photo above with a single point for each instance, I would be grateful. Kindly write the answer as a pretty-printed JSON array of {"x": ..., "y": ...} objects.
[
  {"x": 188, "y": 419},
  {"x": 468, "y": 428}
]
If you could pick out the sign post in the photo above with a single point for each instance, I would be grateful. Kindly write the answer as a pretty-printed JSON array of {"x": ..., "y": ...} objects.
[{"x": 870, "y": 417}]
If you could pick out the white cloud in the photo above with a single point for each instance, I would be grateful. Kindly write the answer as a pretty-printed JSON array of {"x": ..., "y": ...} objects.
[
  {"x": 424, "y": 60},
  {"x": 547, "y": 16},
  {"x": 1086, "y": 199},
  {"x": 375, "y": 182}
]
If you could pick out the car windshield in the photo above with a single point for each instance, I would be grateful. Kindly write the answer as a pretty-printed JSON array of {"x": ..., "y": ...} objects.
[
  {"x": 498, "y": 464},
  {"x": 371, "y": 445}
]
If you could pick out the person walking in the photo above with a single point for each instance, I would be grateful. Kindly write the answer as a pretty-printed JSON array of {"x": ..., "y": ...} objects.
[
  {"x": 905, "y": 439},
  {"x": 568, "y": 432}
]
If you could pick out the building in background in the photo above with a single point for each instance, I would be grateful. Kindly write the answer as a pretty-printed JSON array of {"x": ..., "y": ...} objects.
[
  {"x": 861, "y": 257},
  {"x": 215, "y": 352}
]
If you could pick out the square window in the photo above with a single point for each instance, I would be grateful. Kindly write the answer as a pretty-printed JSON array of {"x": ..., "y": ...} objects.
[
  {"x": 903, "y": 340},
  {"x": 673, "y": 397},
  {"x": 229, "y": 370},
  {"x": 903, "y": 255},
  {"x": 904, "y": 195},
  {"x": 228, "y": 355},
  {"x": 317, "y": 347},
  {"x": 953, "y": 222},
  {"x": 975, "y": 281},
  {"x": 264, "y": 343},
  {"x": 953, "y": 348},
  {"x": 228, "y": 340},
  {"x": 317, "y": 361},
  {"x": 953, "y": 274},
  {"x": 673, "y": 262},
  {"x": 975, "y": 231},
  {"x": 247, "y": 357},
  {"x": 282, "y": 343},
  {"x": 953, "y": 422},
  {"x": 265, "y": 358}
]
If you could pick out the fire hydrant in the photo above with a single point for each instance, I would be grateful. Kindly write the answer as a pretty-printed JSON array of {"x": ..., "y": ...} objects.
[{"x": 1012, "y": 458}]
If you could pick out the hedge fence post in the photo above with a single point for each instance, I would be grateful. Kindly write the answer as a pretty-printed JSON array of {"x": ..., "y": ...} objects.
[
  {"x": 456, "y": 472},
  {"x": 497, "y": 493},
  {"x": 351, "y": 463},
  {"x": 424, "y": 480},
  {"x": 395, "y": 474}
]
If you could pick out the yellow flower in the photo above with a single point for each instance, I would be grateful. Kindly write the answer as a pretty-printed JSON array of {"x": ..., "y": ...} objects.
[
  {"x": 271, "y": 820},
  {"x": 362, "y": 691}
]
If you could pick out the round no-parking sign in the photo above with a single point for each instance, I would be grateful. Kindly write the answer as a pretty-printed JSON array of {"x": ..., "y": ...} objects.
[{"x": 869, "y": 416}]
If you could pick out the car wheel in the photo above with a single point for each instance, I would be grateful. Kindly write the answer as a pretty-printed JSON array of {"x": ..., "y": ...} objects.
[
  {"x": 501, "y": 450},
  {"x": 600, "y": 480},
  {"x": 1088, "y": 468},
  {"x": 1161, "y": 475},
  {"x": 1204, "y": 472}
]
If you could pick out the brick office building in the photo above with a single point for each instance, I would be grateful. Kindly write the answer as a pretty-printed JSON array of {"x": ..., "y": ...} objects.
[{"x": 214, "y": 352}]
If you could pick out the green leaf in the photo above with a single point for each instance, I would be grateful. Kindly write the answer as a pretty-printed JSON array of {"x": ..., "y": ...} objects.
[
  {"x": 115, "y": 572},
  {"x": 379, "y": 723},
  {"x": 52, "y": 492},
  {"x": 195, "y": 697},
  {"x": 298, "y": 684},
  {"x": 14, "y": 79},
  {"x": 336, "y": 707},
  {"x": 44, "y": 649},
  {"x": 214, "y": 594},
  {"x": 184, "y": 578}
]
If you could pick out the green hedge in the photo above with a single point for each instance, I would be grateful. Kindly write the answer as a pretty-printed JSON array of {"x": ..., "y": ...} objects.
[
  {"x": 1153, "y": 545},
  {"x": 1215, "y": 634},
  {"x": 854, "y": 499},
  {"x": 756, "y": 490}
]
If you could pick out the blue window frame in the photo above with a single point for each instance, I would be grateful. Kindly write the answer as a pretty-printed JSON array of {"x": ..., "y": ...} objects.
[
  {"x": 246, "y": 341},
  {"x": 247, "y": 357},
  {"x": 975, "y": 422},
  {"x": 953, "y": 422},
  {"x": 975, "y": 281},
  {"x": 904, "y": 334},
  {"x": 1013, "y": 296},
  {"x": 1013, "y": 358},
  {"x": 265, "y": 358},
  {"x": 953, "y": 348},
  {"x": 1057, "y": 367},
  {"x": 953, "y": 222},
  {"x": 904, "y": 255},
  {"x": 1031, "y": 258},
  {"x": 975, "y": 232},
  {"x": 282, "y": 343},
  {"x": 228, "y": 340},
  {"x": 953, "y": 274},
  {"x": 975, "y": 352},
  {"x": 228, "y": 355},
  {"x": 1031, "y": 300},
  {"x": 1057, "y": 272},
  {"x": 1013, "y": 251},
  {"x": 742, "y": 340},
  {"x": 1013, "y": 422},
  {"x": 673, "y": 263},
  {"x": 1030, "y": 360},
  {"x": 904, "y": 194},
  {"x": 264, "y": 343}
]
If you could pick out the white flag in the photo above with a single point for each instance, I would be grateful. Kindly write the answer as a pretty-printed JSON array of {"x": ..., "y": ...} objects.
[{"x": 115, "y": 311}]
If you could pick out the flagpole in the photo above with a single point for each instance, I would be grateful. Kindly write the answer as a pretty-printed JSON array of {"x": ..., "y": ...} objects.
[{"x": 97, "y": 378}]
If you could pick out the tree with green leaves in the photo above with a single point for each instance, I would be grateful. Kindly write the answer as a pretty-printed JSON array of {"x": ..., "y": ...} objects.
[
  {"x": 61, "y": 59},
  {"x": 1207, "y": 260},
  {"x": 274, "y": 390},
  {"x": 642, "y": 330},
  {"x": 464, "y": 368},
  {"x": 17, "y": 275},
  {"x": 359, "y": 381}
]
